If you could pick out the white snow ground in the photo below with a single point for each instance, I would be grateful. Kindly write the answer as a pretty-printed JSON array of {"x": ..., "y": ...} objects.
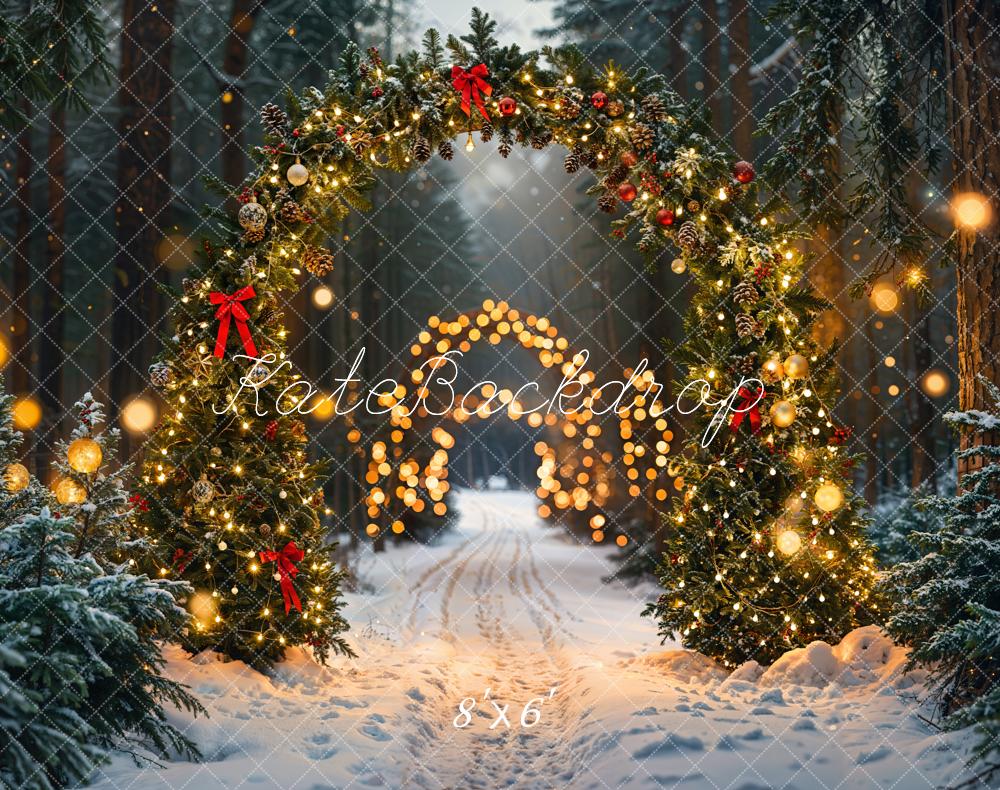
[{"x": 506, "y": 604}]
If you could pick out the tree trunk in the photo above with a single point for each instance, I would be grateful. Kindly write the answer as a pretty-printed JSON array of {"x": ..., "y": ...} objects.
[
  {"x": 741, "y": 105},
  {"x": 677, "y": 67},
  {"x": 711, "y": 36},
  {"x": 242, "y": 18},
  {"x": 145, "y": 129},
  {"x": 972, "y": 36},
  {"x": 51, "y": 351},
  {"x": 20, "y": 308}
]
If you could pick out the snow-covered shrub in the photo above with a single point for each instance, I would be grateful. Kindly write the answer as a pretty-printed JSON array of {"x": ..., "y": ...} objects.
[
  {"x": 79, "y": 658},
  {"x": 899, "y": 517},
  {"x": 946, "y": 604}
]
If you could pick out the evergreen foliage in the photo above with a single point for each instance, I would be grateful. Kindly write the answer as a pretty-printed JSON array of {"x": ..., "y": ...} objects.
[
  {"x": 946, "y": 604},
  {"x": 81, "y": 648}
]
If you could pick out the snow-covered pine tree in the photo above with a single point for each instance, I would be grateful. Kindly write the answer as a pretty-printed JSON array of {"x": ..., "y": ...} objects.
[
  {"x": 81, "y": 649},
  {"x": 102, "y": 507},
  {"x": 946, "y": 605},
  {"x": 896, "y": 519}
]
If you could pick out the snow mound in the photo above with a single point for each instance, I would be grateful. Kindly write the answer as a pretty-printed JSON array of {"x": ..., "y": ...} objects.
[
  {"x": 685, "y": 665},
  {"x": 864, "y": 656}
]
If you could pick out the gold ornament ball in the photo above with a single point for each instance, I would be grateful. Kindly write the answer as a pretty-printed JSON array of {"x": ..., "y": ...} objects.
[
  {"x": 782, "y": 414},
  {"x": 796, "y": 367},
  {"x": 677, "y": 266},
  {"x": 85, "y": 455},
  {"x": 793, "y": 505},
  {"x": 788, "y": 541},
  {"x": 828, "y": 497},
  {"x": 69, "y": 492},
  {"x": 16, "y": 478},
  {"x": 297, "y": 175},
  {"x": 773, "y": 369}
]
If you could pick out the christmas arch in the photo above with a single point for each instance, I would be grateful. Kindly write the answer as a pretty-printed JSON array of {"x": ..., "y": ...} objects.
[
  {"x": 764, "y": 548},
  {"x": 579, "y": 482}
]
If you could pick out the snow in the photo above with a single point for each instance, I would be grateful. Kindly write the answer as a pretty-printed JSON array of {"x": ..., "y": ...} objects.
[{"x": 507, "y": 605}]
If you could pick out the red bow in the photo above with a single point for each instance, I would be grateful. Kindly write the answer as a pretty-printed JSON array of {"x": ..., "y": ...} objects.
[
  {"x": 229, "y": 308},
  {"x": 749, "y": 406},
  {"x": 291, "y": 553},
  {"x": 180, "y": 560},
  {"x": 470, "y": 83}
]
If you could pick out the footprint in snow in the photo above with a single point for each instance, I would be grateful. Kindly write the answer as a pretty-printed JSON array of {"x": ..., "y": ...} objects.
[
  {"x": 375, "y": 732},
  {"x": 416, "y": 694},
  {"x": 874, "y": 755},
  {"x": 650, "y": 711},
  {"x": 672, "y": 744},
  {"x": 340, "y": 702},
  {"x": 803, "y": 725}
]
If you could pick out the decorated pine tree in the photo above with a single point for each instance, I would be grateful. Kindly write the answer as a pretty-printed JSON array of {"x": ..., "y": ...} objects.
[
  {"x": 766, "y": 548},
  {"x": 229, "y": 500},
  {"x": 946, "y": 605},
  {"x": 80, "y": 649},
  {"x": 94, "y": 497}
]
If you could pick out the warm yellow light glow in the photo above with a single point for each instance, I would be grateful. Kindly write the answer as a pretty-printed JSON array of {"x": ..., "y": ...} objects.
[
  {"x": 84, "y": 455},
  {"x": 884, "y": 297},
  {"x": 203, "y": 607},
  {"x": 4, "y": 351},
  {"x": 788, "y": 541},
  {"x": 27, "y": 413},
  {"x": 828, "y": 497},
  {"x": 935, "y": 383},
  {"x": 139, "y": 415},
  {"x": 971, "y": 210},
  {"x": 322, "y": 297}
]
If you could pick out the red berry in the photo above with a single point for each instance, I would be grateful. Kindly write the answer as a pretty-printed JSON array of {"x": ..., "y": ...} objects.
[
  {"x": 508, "y": 106},
  {"x": 627, "y": 191},
  {"x": 599, "y": 100},
  {"x": 744, "y": 172},
  {"x": 629, "y": 159},
  {"x": 295, "y": 132},
  {"x": 665, "y": 217}
]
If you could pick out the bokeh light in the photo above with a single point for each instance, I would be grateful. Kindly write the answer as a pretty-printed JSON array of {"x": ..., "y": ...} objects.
[
  {"x": 971, "y": 210},
  {"x": 175, "y": 251},
  {"x": 322, "y": 297},
  {"x": 27, "y": 413},
  {"x": 4, "y": 351},
  {"x": 139, "y": 415},
  {"x": 936, "y": 383},
  {"x": 884, "y": 297}
]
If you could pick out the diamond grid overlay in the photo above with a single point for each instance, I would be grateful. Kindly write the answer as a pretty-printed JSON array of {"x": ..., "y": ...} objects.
[{"x": 530, "y": 272}]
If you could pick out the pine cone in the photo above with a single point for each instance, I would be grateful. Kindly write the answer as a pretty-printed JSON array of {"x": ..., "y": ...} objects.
[
  {"x": 318, "y": 261},
  {"x": 687, "y": 236},
  {"x": 747, "y": 366},
  {"x": 607, "y": 203},
  {"x": 446, "y": 151},
  {"x": 275, "y": 120},
  {"x": 569, "y": 109},
  {"x": 292, "y": 213},
  {"x": 654, "y": 108},
  {"x": 538, "y": 142},
  {"x": 693, "y": 206},
  {"x": 572, "y": 162},
  {"x": 486, "y": 132},
  {"x": 641, "y": 136},
  {"x": 253, "y": 236},
  {"x": 649, "y": 240},
  {"x": 745, "y": 293},
  {"x": 746, "y": 326},
  {"x": 588, "y": 157},
  {"x": 615, "y": 176},
  {"x": 506, "y": 142},
  {"x": 421, "y": 149}
]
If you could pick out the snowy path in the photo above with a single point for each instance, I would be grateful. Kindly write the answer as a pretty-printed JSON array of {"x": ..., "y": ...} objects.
[{"x": 506, "y": 604}]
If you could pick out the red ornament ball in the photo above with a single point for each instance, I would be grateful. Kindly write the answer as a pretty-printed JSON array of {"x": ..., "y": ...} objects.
[
  {"x": 627, "y": 191},
  {"x": 599, "y": 100},
  {"x": 507, "y": 106},
  {"x": 744, "y": 172},
  {"x": 629, "y": 159},
  {"x": 665, "y": 217}
]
